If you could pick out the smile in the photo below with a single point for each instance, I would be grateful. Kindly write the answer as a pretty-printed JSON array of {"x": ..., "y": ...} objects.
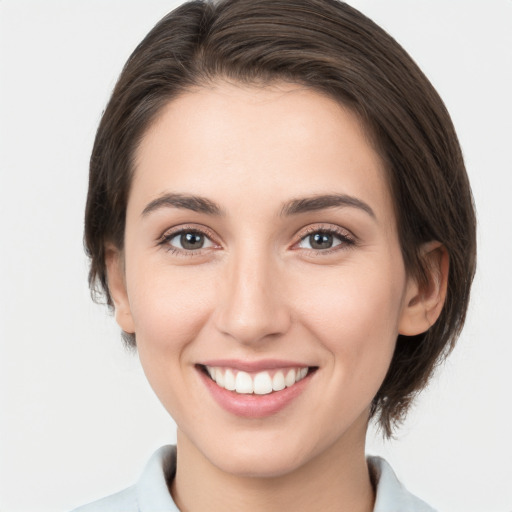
[
  {"x": 260, "y": 383},
  {"x": 255, "y": 389}
]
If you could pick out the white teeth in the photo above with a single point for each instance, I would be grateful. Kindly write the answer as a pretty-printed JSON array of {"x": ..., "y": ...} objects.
[
  {"x": 219, "y": 378},
  {"x": 229, "y": 380},
  {"x": 243, "y": 383},
  {"x": 289, "y": 380},
  {"x": 278, "y": 381},
  {"x": 261, "y": 383}
]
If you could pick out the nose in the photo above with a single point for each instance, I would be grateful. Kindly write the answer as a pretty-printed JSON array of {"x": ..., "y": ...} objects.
[{"x": 252, "y": 306}]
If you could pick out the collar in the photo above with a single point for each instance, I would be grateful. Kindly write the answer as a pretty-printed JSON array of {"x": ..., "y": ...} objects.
[{"x": 153, "y": 494}]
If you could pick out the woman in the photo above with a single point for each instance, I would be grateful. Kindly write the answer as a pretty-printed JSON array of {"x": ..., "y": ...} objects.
[{"x": 279, "y": 215}]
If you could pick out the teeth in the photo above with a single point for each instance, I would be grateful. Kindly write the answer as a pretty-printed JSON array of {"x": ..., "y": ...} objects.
[
  {"x": 261, "y": 383},
  {"x": 229, "y": 379},
  {"x": 219, "y": 378},
  {"x": 278, "y": 382},
  {"x": 243, "y": 383},
  {"x": 289, "y": 380}
]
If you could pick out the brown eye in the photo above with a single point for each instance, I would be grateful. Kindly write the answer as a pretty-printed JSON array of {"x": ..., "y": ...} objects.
[
  {"x": 191, "y": 241},
  {"x": 188, "y": 240},
  {"x": 321, "y": 240}
]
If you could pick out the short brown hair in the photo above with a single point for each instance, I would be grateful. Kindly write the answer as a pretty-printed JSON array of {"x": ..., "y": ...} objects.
[{"x": 332, "y": 48}]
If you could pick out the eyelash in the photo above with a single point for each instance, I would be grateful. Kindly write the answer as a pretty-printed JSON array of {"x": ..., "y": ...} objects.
[
  {"x": 166, "y": 238},
  {"x": 345, "y": 238}
]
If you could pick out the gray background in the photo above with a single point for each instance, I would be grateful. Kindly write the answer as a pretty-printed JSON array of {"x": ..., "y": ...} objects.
[{"x": 77, "y": 419}]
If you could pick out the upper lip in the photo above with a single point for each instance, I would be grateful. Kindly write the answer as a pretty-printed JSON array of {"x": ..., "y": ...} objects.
[{"x": 254, "y": 366}]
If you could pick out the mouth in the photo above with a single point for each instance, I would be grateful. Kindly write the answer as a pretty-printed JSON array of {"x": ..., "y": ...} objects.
[{"x": 264, "y": 382}]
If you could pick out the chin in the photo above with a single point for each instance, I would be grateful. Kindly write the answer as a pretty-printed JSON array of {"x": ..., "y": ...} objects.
[
  {"x": 258, "y": 457},
  {"x": 260, "y": 464}
]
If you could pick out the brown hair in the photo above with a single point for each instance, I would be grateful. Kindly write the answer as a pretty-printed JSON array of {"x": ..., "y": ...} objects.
[{"x": 332, "y": 48}]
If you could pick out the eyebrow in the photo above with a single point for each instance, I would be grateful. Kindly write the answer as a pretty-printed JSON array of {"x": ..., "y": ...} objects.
[
  {"x": 187, "y": 202},
  {"x": 320, "y": 202},
  {"x": 294, "y": 207}
]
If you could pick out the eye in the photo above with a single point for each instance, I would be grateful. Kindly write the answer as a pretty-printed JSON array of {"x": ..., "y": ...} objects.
[
  {"x": 325, "y": 239},
  {"x": 187, "y": 240}
]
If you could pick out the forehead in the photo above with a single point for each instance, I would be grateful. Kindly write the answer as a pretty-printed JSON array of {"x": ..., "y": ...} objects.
[{"x": 260, "y": 141}]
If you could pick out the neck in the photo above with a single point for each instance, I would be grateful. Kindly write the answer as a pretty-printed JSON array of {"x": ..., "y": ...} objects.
[{"x": 336, "y": 480}]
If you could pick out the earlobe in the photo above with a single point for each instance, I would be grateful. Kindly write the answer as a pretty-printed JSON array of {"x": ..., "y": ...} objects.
[
  {"x": 117, "y": 288},
  {"x": 424, "y": 301}
]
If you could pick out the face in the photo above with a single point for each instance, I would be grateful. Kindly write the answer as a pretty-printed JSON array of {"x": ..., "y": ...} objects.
[{"x": 262, "y": 274}]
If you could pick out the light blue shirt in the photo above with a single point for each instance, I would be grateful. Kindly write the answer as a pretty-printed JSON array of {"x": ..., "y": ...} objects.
[{"x": 150, "y": 493}]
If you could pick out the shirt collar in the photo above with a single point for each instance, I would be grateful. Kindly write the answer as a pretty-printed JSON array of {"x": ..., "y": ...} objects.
[
  {"x": 153, "y": 494},
  {"x": 391, "y": 495}
]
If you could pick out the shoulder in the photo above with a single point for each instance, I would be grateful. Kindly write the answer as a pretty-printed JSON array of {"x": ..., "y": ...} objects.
[
  {"x": 391, "y": 495},
  {"x": 149, "y": 494},
  {"x": 124, "y": 501}
]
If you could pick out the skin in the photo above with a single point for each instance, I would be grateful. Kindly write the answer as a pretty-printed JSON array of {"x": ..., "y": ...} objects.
[{"x": 257, "y": 290}]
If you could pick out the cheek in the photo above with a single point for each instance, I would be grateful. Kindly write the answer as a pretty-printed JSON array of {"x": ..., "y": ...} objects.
[
  {"x": 355, "y": 313},
  {"x": 354, "y": 316},
  {"x": 169, "y": 309},
  {"x": 169, "y": 306}
]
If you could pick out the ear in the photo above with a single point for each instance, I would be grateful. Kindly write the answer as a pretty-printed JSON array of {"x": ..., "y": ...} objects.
[
  {"x": 424, "y": 302},
  {"x": 114, "y": 262}
]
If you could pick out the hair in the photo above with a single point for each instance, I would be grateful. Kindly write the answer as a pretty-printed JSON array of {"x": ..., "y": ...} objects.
[{"x": 332, "y": 48}]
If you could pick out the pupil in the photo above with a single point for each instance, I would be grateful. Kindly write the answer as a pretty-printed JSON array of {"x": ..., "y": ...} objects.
[
  {"x": 321, "y": 241},
  {"x": 192, "y": 240}
]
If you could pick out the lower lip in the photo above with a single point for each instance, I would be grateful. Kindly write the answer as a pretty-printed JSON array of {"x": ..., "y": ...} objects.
[{"x": 251, "y": 405}]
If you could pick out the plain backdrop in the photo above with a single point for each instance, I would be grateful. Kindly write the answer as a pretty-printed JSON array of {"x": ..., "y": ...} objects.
[{"x": 77, "y": 418}]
